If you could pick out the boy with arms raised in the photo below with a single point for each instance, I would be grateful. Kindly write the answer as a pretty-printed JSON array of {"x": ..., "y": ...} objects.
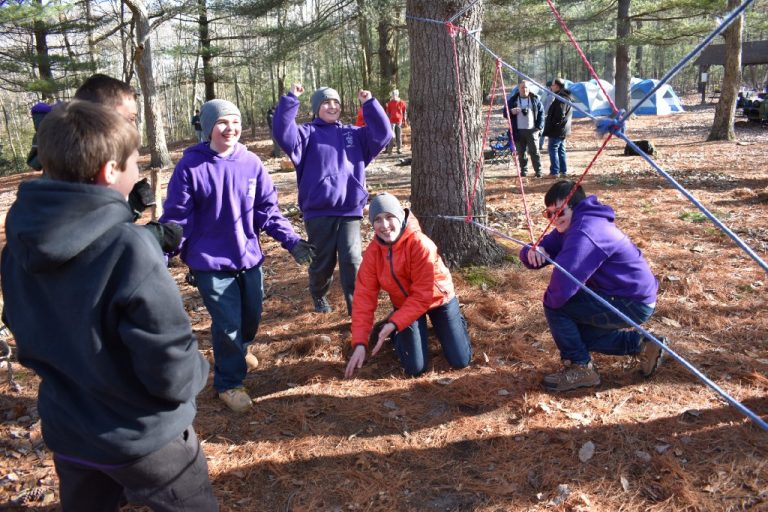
[{"x": 120, "y": 375}]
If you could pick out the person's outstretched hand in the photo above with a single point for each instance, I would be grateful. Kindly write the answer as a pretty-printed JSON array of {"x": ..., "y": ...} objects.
[
  {"x": 297, "y": 89},
  {"x": 356, "y": 361},
  {"x": 386, "y": 331},
  {"x": 536, "y": 256},
  {"x": 303, "y": 252},
  {"x": 364, "y": 95}
]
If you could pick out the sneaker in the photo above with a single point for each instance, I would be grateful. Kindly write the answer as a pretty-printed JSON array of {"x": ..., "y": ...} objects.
[
  {"x": 572, "y": 376},
  {"x": 550, "y": 175},
  {"x": 321, "y": 305},
  {"x": 563, "y": 175},
  {"x": 538, "y": 174},
  {"x": 650, "y": 356},
  {"x": 251, "y": 361},
  {"x": 236, "y": 399}
]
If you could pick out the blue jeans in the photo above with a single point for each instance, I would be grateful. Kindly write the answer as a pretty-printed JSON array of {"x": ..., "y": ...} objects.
[
  {"x": 583, "y": 325},
  {"x": 557, "y": 161},
  {"x": 233, "y": 299},
  {"x": 412, "y": 346}
]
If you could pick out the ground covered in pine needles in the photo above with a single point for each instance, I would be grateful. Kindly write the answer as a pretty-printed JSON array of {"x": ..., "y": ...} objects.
[{"x": 488, "y": 438}]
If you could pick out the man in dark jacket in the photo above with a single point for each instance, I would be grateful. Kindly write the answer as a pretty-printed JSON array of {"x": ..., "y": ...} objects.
[
  {"x": 97, "y": 316},
  {"x": 557, "y": 128},
  {"x": 527, "y": 121}
]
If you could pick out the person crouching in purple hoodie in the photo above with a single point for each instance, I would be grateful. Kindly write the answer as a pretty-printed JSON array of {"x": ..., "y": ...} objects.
[
  {"x": 330, "y": 160},
  {"x": 222, "y": 197},
  {"x": 589, "y": 246}
]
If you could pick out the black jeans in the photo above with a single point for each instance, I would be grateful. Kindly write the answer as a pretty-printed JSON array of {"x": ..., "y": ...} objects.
[
  {"x": 171, "y": 479},
  {"x": 334, "y": 237}
]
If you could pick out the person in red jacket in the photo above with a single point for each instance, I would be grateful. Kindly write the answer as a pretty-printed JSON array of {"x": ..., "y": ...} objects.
[
  {"x": 404, "y": 262},
  {"x": 398, "y": 116}
]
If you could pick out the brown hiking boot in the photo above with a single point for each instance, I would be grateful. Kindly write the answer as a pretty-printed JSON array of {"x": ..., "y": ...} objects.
[
  {"x": 572, "y": 376},
  {"x": 251, "y": 361},
  {"x": 650, "y": 356},
  {"x": 236, "y": 399}
]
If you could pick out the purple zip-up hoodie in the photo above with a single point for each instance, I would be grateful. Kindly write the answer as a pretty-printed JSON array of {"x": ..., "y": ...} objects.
[
  {"x": 222, "y": 203},
  {"x": 330, "y": 158},
  {"x": 598, "y": 254}
]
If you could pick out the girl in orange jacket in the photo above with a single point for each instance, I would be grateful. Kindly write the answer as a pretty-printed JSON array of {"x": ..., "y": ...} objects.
[{"x": 404, "y": 262}]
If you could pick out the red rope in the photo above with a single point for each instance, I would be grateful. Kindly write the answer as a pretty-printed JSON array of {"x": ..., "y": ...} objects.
[
  {"x": 480, "y": 158},
  {"x": 453, "y": 30},
  {"x": 581, "y": 53},
  {"x": 514, "y": 151},
  {"x": 573, "y": 191}
]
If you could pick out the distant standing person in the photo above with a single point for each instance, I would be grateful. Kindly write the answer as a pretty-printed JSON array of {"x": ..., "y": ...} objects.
[
  {"x": 330, "y": 160},
  {"x": 557, "y": 127},
  {"x": 527, "y": 121},
  {"x": 548, "y": 99},
  {"x": 397, "y": 110},
  {"x": 197, "y": 126}
]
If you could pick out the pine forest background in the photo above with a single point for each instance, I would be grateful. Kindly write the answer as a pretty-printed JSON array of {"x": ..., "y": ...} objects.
[{"x": 249, "y": 52}]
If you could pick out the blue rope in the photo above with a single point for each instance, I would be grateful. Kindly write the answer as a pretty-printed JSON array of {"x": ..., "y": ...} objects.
[
  {"x": 672, "y": 72},
  {"x": 529, "y": 79},
  {"x": 696, "y": 203},
  {"x": 706, "y": 380},
  {"x": 465, "y": 9},
  {"x": 425, "y": 20}
]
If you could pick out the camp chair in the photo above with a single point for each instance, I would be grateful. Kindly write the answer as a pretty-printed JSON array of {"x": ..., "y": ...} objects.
[{"x": 501, "y": 152}]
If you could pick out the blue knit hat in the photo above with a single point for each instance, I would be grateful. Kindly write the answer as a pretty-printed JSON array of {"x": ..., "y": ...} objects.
[
  {"x": 321, "y": 95},
  {"x": 212, "y": 111}
]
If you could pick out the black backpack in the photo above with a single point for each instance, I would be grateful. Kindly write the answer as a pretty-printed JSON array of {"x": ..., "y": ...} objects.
[{"x": 645, "y": 145}]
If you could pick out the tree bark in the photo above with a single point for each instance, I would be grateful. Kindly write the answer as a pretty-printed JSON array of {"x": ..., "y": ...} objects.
[
  {"x": 623, "y": 59},
  {"x": 42, "y": 59},
  {"x": 366, "y": 47},
  {"x": 205, "y": 50},
  {"x": 387, "y": 58},
  {"x": 159, "y": 156},
  {"x": 437, "y": 173},
  {"x": 722, "y": 127}
]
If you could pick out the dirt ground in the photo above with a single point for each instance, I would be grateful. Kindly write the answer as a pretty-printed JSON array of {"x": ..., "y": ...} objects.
[{"x": 488, "y": 438}]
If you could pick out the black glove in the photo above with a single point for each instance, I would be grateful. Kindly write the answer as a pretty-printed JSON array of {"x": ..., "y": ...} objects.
[
  {"x": 141, "y": 197},
  {"x": 168, "y": 235},
  {"x": 373, "y": 338},
  {"x": 303, "y": 252}
]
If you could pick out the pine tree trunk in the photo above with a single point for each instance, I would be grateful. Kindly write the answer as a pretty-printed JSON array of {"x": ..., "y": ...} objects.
[
  {"x": 437, "y": 173},
  {"x": 366, "y": 48},
  {"x": 623, "y": 31},
  {"x": 205, "y": 50},
  {"x": 159, "y": 156},
  {"x": 722, "y": 127}
]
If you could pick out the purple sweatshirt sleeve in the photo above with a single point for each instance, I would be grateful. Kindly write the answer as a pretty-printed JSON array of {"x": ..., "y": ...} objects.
[
  {"x": 377, "y": 132},
  {"x": 581, "y": 257},
  {"x": 267, "y": 215},
  {"x": 550, "y": 243},
  {"x": 289, "y": 136},
  {"x": 178, "y": 204}
]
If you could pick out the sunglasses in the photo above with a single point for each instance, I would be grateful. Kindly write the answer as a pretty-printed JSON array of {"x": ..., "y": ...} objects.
[{"x": 550, "y": 214}]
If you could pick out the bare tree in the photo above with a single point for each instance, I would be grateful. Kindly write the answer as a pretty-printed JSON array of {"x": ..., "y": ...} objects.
[
  {"x": 152, "y": 108},
  {"x": 623, "y": 58},
  {"x": 722, "y": 127},
  {"x": 438, "y": 183}
]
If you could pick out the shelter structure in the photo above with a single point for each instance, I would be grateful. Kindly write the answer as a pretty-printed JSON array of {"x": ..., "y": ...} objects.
[
  {"x": 590, "y": 97},
  {"x": 752, "y": 53}
]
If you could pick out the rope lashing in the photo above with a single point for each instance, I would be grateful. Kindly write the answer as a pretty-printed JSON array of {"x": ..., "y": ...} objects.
[{"x": 610, "y": 125}]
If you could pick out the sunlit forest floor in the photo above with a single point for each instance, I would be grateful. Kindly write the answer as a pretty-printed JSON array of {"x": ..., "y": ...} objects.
[{"x": 489, "y": 438}]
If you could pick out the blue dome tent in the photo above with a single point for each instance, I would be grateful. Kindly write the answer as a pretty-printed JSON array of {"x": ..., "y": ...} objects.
[{"x": 664, "y": 101}]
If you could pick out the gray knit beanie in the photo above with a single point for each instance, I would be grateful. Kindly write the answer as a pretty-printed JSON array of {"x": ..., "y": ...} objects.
[
  {"x": 212, "y": 111},
  {"x": 322, "y": 94},
  {"x": 385, "y": 203}
]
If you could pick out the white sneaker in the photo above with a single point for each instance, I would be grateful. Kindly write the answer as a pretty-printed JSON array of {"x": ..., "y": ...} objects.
[{"x": 251, "y": 361}]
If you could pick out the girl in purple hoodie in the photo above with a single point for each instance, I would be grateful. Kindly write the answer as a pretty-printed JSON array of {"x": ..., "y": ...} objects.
[{"x": 588, "y": 245}]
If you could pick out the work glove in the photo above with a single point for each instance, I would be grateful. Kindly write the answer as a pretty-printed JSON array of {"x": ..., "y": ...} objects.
[
  {"x": 168, "y": 235},
  {"x": 141, "y": 197},
  {"x": 303, "y": 252}
]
